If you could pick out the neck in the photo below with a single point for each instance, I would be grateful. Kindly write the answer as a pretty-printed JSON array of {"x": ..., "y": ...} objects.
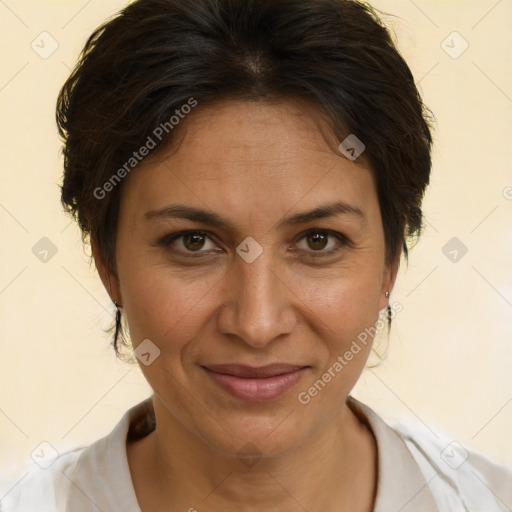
[{"x": 333, "y": 470}]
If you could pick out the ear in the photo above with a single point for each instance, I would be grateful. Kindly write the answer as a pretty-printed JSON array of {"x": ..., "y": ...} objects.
[
  {"x": 107, "y": 275},
  {"x": 388, "y": 281}
]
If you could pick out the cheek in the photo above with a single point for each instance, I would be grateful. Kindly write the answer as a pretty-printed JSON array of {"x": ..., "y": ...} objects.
[
  {"x": 344, "y": 308},
  {"x": 347, "y": 340},
  {"x": 165, "y": 304},
  {"x": 171, "y": 312},
  {"x": 345, "y": 299},
  {"x": 162, "y": 303},
  {"x": 346, "y": 311}
]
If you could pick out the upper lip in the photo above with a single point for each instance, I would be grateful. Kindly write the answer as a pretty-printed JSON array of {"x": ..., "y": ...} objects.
[{"x": 248, "y": 372}]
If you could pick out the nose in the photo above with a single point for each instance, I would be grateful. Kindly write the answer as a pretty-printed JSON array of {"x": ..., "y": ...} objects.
[{"x": 257, "y": 304}]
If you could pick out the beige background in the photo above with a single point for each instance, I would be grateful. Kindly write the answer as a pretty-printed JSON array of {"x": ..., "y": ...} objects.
[{"x": 450, "y": 352}]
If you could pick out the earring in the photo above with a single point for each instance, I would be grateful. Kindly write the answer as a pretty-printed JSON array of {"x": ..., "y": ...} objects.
[
  {"x": 118, "y": 322},
  {"x": 387, "y": 295}
]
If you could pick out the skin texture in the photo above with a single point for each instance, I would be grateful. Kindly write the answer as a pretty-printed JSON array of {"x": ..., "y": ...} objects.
[{"x": 253, "y": 164}]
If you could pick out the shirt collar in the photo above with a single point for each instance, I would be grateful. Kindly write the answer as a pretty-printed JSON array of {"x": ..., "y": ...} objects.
[{"x": 401, "y": 486}]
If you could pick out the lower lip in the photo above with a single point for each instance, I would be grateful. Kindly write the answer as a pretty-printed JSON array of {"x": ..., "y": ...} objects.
[{"x": 257, "y": 390}]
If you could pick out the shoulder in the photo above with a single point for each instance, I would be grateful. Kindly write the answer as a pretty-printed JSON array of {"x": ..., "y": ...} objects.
[
  {"x": 39, "y": 489},
  {"x": 83, "y": 480},
  {"x": 421, "y": 470},
  {"x": 453, "y": 470}
]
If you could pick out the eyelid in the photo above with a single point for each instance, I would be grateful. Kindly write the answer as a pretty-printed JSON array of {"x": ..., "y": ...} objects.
[
  {"x": 343, "y": 241},
  {"x": 168, "y": 240}
]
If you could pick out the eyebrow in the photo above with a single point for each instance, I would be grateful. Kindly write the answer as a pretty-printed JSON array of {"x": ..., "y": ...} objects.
[{"x": 213, "y": 219}]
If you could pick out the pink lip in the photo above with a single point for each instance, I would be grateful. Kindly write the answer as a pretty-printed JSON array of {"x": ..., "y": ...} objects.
[{"x": 256, "y": 384}]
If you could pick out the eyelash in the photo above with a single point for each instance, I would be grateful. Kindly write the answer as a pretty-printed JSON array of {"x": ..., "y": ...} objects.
[{"x": 168, "y": 240}]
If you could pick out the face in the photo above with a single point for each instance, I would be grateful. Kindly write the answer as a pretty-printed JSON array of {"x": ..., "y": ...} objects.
[{"x": 251, "y": 256}]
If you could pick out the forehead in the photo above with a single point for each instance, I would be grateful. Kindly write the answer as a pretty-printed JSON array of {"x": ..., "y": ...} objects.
[
  {"x": 250, "y": 154},
  {"x": 253, "y": 135}
]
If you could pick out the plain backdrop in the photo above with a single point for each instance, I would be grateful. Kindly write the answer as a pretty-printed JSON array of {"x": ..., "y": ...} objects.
[{"x": 449, "y": 358}]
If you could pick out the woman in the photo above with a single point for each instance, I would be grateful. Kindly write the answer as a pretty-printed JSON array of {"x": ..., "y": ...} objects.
[{"x": 249, "y": 172}]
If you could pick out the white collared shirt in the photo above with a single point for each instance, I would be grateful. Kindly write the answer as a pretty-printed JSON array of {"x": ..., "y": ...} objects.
[{"x": 416, "y": 473}]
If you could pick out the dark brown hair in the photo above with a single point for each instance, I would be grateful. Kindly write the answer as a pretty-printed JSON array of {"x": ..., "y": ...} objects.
[{"x": 138, "y": 69}]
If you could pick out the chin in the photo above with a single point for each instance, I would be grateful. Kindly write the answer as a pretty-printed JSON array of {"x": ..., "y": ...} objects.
[{"x": 260, "y": 435}]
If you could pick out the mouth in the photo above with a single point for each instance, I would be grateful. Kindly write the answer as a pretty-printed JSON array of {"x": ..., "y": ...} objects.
[{"x": 256, "y": 384}]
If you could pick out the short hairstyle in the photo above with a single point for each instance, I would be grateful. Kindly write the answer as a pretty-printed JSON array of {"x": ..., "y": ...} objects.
[{"x": 140, "y": 68}]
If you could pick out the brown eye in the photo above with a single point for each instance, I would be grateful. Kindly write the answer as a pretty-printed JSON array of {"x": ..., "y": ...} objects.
[
  {"x": 193, "y": 241},
  {"x": 190, "y": 242},
  {"x": 317, "y": 241}
]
